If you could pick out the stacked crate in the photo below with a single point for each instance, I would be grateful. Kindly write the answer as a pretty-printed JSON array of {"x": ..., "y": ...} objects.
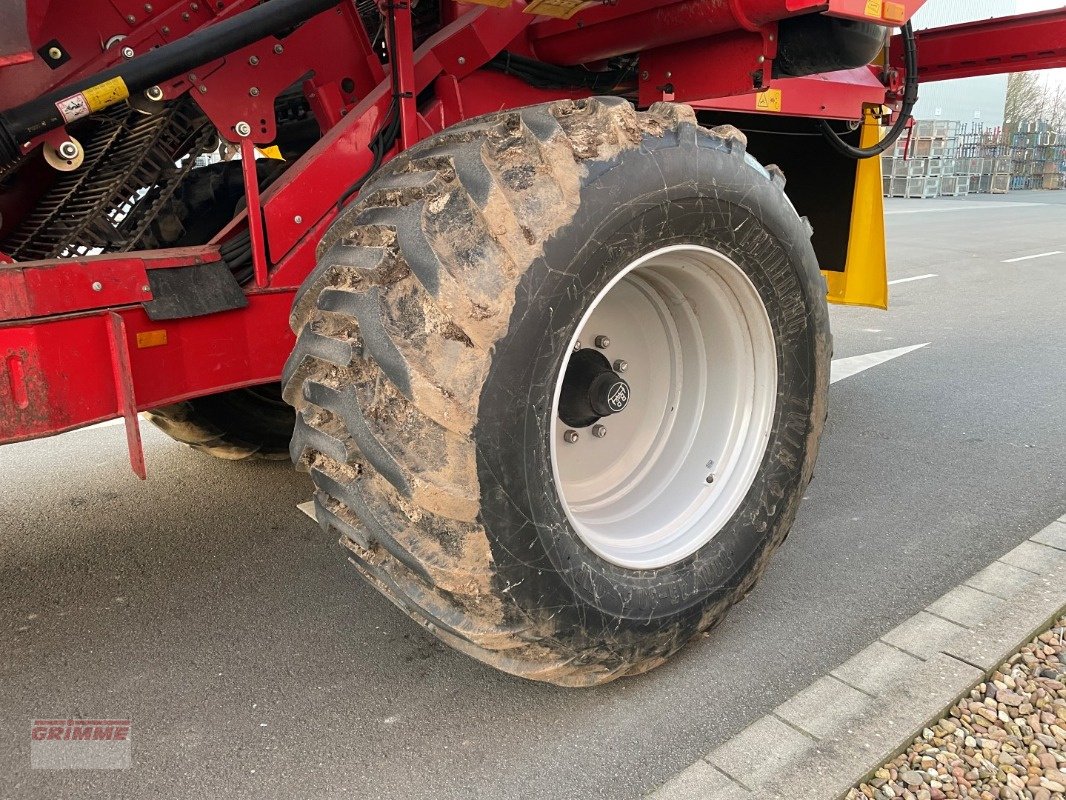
[
  {"x": 1039, "y": 157},
  {"x": 922, "y": 163}
]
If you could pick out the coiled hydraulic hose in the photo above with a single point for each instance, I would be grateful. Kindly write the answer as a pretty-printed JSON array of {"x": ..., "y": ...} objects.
[{"x": 910, "y": 97}]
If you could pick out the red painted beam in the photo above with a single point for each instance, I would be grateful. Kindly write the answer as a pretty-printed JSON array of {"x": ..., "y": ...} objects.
[
  {"x": 61, "y": 373},
  {"x": 1017, "y": 43}
]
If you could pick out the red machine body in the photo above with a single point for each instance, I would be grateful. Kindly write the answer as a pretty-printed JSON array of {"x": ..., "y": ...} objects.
[{"x": 76, "y": 343}]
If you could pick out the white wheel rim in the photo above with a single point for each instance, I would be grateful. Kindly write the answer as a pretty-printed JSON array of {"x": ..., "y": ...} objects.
[{"x": 677, "y": 463}]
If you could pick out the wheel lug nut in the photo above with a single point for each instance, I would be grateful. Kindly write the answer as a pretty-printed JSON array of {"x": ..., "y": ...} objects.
[
  {"x": 577, "y": 346},
  {"x": 603, "y": 342},
  {"x": 621, "y": 366},
  {"x": 570, "y": 437},
  {"x": 599, "y": 431}
]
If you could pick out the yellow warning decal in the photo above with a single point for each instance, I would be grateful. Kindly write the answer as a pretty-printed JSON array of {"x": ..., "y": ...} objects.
[
  {"x": 894, "y": 12},
  {"x": 493, "y": 3},
  {"x": 770, "y": 100},
  {"x": 105, "y": 94},
  {"x": 874, "y": 8},
  {"x": 560, "y": 9}
]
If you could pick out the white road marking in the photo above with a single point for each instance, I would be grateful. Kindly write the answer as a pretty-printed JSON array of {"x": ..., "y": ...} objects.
[
  {"x": 961, "y": 206},
  {"x": 1029, "y": 258},
  {"x": 846, "y": 367},
  {"x": 308, "y": 508},
  {"x": 915, "y": 278}
]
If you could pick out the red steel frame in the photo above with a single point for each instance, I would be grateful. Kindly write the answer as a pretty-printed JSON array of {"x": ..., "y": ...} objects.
[{"x": 76, "y": 346}]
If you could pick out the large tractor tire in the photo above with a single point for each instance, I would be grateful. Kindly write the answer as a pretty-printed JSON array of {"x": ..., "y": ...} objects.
[
  {"x": 560, "y": 379},
  {"x": 237, "y": 425}
]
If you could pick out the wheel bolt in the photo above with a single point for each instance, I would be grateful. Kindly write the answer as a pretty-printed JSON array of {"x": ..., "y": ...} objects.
[
  {"x": 621, "y": 366},
  {"x": 577, "y": 346},
  {"x": 599, "y": 431},
  {"x": 570, "y": 437},
  {"x": 603, "y": 342}
]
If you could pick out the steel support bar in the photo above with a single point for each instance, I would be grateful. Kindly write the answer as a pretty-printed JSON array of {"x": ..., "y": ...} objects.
[
  {"x": 255, "y": 213},
  {"x": 404, "y": 53},
  {"x": 1018, "y": 43},
  {"x": 127, "y": 401}
]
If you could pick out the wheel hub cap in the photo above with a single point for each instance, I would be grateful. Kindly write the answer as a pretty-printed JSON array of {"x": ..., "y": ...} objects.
[{"x": 674, "y": 447}]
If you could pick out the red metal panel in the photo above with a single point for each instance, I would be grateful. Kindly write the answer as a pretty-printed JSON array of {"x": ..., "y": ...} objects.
[
  {"x": 41, "y": 288},
  {"x": 989, "y": 47},
  {"x": 56, "y": 374},
  {"x": 834, "y": 95},
  {"x": 310, "y": 189},
  {"x": 681, "y": 73},
  {"x": 243, "y": 87}
]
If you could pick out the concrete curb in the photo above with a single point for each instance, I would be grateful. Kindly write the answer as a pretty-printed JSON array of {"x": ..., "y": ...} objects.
[{"x": 824, "y": 740}]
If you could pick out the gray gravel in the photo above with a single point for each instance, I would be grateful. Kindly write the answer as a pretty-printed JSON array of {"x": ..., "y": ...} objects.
[
  {"x": 254, "y": 663},
  {"x": 1005, "y": 741}
]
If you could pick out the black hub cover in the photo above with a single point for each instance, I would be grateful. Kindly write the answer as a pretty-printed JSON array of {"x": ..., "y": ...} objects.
[{"x": 591, "y": 390}]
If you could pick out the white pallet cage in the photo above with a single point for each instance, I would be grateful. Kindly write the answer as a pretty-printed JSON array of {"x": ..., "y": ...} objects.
[
  {"x": 1000, "y": 184},
  {"x": 935, "y": 129},
  {"x": 929, "y": 148},
  {"x": 915, "y": 187},
  {"x": 954, "y": 186},
  {"x": 909, "y": 168}
]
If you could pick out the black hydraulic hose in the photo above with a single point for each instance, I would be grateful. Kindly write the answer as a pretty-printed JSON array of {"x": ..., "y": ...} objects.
[
  {"x": 92, "y": 94},
  {"x": 910, "y": 97}
]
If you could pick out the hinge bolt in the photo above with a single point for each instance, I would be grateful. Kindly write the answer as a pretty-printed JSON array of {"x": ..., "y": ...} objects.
[
  {"x": 243, "y": 128},
  {"x": 621, "y": 366},
  {"x": 599, "y": 431},
  {"x": 570, "y": 437},
  {"x": 603, "y": 342},
  {"x": 68, "y": 150}
]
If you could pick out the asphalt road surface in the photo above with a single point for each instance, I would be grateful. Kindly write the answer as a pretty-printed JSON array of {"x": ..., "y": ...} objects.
[{"x": 254, "y": 663}]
